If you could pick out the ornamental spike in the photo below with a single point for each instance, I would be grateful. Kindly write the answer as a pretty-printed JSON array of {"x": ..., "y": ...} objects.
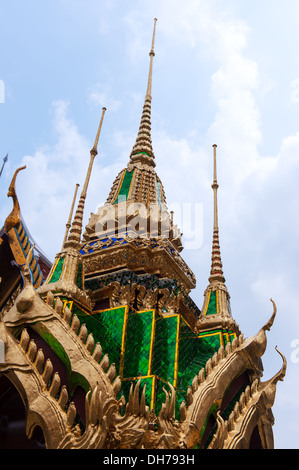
[
  {"x": 76, "y": 229},
  {"x": 143, "y": 146},
  {"x": 216, "y": 267}
]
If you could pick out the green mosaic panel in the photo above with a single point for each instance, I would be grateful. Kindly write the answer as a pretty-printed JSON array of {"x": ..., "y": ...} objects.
[
  {"x": 57, "y": 272},
  {"x": 194, "y": 353},
  {"x": 212, "y": 307},
  {"x": 165, "y": 347},
  {"x": 107, "y": 329},
  {"x": 142, "y": 344},
  {"x": 125, "y": 187},
  {"x": 138, "y": 344}
]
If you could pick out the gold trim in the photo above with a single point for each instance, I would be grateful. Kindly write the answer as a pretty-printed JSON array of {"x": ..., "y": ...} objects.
[
  {"x": 184, "y": 319},
  {"x": 220, "y": 333},
  {"x": 217, "y": 300},
  {"x": 70, "y": 302},
  {"x": 82, "y": 309},
  {"x": 108, "y": 309},
  {"x": 119, "y": 186},
  {"x": 208, "y": 301},
  {"x": 176, "y": 359},
  {"x": 123, "y": 341},
  {"x": 132, "y": 180},
  {"x": 53, "y": 271},
  {"x": 226, "y": 335},
  {"x": 151, "y": 352},
  {"x": 153, "y": 400}
]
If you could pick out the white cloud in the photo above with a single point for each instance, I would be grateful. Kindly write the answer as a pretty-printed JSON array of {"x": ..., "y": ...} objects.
[
  {"x": 103, "y": 97},
  {"x": 46, "y": 188}
]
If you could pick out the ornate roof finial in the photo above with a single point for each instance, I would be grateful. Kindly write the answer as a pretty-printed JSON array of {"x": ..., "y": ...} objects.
[
  {"x": 75, "y": 232},
  {"x": 216, "y": 267},
  {"x": 68, "y": 224},
  {"x": 13, "y": 219},
  {"x": 142, "y": 149},
  {"x": 216, "y": 296},
  {"x": 93, "y": 154}
]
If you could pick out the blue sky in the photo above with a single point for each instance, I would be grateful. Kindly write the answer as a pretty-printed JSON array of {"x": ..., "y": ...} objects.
[{"x": 225, "y": 72}]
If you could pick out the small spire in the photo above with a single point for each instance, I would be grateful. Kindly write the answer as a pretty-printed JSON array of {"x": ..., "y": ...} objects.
[
  {"x": 96, "y": 141},
  {"x": 68, "y": 224},
  {"x": 215, "y": 187},
  {"x": 216, "y": 296},
  {"x": 4, "y": 161},
  {"x": 93, "y": 154},
  {"x": 143, "y": 145},
  {"x": 216, "y": 268},
  {"x": 76, "y": 230}
]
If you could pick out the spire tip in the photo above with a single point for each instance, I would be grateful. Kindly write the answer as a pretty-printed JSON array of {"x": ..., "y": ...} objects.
[{"x": 143, "y": 145}]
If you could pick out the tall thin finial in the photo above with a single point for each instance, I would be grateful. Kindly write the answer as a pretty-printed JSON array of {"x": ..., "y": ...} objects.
[
  {"x": 152, "y": 55},
  {"x": 76, "y": 230},
  {"x": 215, "y": 187},
  {"x": 4, "y": 161},
  {"x": 216, "y": 296},
  {"x": 93, "y": 154},
  {"x": 142, "y": 149},
  {"x": 216, "y": 267},
  {"x": 96, "y": 141},
  {"x": 68, "y": 224}
]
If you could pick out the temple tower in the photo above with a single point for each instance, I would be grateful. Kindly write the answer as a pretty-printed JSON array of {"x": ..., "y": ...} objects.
[
  {"x": 133, "y": 233},
  {"x": 109, "y": 351},
  {"x": 216, "y": 309}
]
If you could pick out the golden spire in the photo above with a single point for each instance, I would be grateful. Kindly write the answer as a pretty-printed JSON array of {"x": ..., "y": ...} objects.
[
  {"x": 68, "y": 224},
  {"x": 93, "y": 154},
  {"x": 75, "y": 232},
  {"x": 143, "y": 145},
  {"x": 216, "y": 267},
  {"x": 216, "y": 296}
]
